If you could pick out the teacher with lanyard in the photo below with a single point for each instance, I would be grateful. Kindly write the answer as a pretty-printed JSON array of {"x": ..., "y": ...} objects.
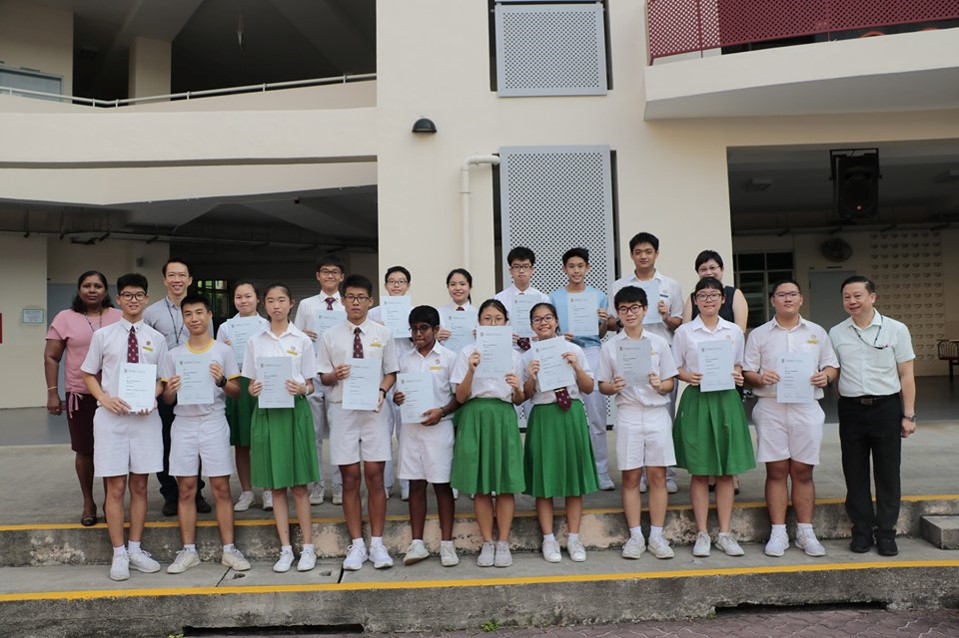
[{"x": 877, "y": 409}]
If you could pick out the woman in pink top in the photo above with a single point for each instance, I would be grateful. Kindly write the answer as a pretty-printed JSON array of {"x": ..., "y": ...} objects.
[{"x": 71, "y": 332}]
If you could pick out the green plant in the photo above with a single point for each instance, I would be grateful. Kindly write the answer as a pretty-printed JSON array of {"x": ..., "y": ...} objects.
[{"x": 490, "y": 625}]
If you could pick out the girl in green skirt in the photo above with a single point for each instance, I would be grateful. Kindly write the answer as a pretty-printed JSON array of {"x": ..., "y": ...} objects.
[
  {"x": 282, "y": 445},
  {"x": 488, "y": 453},
  {"x": 559, "y": 455},
  {"x": 239, "y": 411},
  {"x": 710, "y": 432}
]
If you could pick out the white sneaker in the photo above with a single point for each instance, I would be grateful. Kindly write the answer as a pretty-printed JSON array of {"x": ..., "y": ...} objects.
[
  {"x": 185, "y": 559},
  {"x": 380, "y": 556},
  {"x": 141, "y": 561},
  {"x": 487, "y": 554},
  {"x": 337, "y": 494},
  {"x": 634, "y": 547},
  {"x": 551, "y": 552},
  {"x": 606, "y": 483},
  {"x": 235, "y": 559},
  {"x": 120, "y": 569},
  {"x": 577, "y": 552},
  {"x": 285, "y": 562},
  {"x": 777, "y": 545},
  {"x": 671, "y": 487},
  {"x": 727, "y": 543},
  {"x": 267, "y": 501},
  {"x": 702, "y": 545},
  {"x": 307, "y": 560},
  {"x": 404, "y": 490},
  {"x": 389, "y": 492},
  {"x": 416, "y": 552},
  {"x": 504, "y": 558},
  {"x": 808, "y": 542},
  {"x": 448, "y": 555},
  {"x": 356, "y": 555},
  {"x": 244, "y": 502},
  {"x": 643, "y": 487},
  {"x": 659, "y": 547},
  {"x": 456, "y": 494},
  {"x": 317, "y": 494}
]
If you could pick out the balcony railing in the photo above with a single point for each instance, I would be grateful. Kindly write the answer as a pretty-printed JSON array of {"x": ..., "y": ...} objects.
[{"x": 686, "y": 26}]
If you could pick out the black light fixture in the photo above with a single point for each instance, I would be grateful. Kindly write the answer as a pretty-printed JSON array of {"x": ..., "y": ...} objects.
[
  {"x": 424, "y": 125},
  {"x": 855, "y": 177}
]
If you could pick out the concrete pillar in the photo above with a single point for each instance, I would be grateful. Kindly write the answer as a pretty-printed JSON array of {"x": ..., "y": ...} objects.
[{"x": 150, "y": 62}]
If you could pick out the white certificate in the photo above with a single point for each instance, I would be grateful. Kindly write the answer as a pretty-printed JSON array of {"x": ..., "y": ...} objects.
[
  {"x": 652, "y": 300},
  {"x": 361, "y": 390},
  {"x": 495, "y": 345},
  {"x": 554, "y": 371},
  {"x": 716, "y": 364},
  {"x": 326, "y": 319},
  {"x": 417, "y": 388},
  {"x": 634, "y": 360},
  {"x": 138, "y": 385},
  {"x": 395, "y": 312},
  {"x": 243, "y": 328},
  {"x": 795, "y": 370},
  {"x": 461, "y": 324},
  {"x": 519, "y": 315},
  {"x": 273, "y": 373},
  {"x": 196, "y": 383},
  {"x": 581, "y": 310}
]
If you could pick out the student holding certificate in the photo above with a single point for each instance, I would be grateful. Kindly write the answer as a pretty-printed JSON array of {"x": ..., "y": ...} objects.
[
  {"x": 282, "y": 443},
  {"x": 558, "y": 457},
  {"x": 129, "y": 442},
  {"x": 788, "y": 361},
  {"x": 199, "y": 375},
  {"x": 643, "y": 422},
  {"x": 711, "y": 435}
]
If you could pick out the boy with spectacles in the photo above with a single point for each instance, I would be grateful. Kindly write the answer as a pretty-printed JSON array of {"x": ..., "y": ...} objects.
[
  {"x": 521, "y": 261},
  {"x": 643, "y": 423},
  {"x": 359, "y": 435}
]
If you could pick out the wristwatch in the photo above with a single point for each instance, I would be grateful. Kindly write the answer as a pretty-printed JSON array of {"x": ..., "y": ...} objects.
[
  {"x": 909, "y": 418},
  {"x": 222, "y": 382}
]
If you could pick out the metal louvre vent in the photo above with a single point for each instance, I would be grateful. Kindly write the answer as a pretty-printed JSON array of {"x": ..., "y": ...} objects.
[{"x": 550, "y": 49}]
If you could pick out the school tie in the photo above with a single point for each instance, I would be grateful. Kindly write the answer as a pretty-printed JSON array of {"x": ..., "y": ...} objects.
[
  {"x": 460, "y": 309},
  {"x": 524, "y": 344},
  {"x": 357, "y": 344},
  {"x": 329, "y": 302},
  {"x": 133, "y": 347},
  {"x": 563, "y": 399}
]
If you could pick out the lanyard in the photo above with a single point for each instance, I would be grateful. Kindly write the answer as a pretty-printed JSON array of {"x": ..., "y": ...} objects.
[{"x": 176, "y": 334}]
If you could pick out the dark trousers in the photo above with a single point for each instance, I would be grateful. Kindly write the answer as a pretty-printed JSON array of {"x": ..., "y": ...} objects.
[
  {"x": 871, "y": 431},
  {"x": 168, "y": 485}
]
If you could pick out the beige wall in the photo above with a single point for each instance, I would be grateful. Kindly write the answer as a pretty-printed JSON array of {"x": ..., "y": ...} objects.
[
  {"x": 150, "y": 62},
  {"x": 38, "y": 38},
  {"x": 23, "y": 285},
  {"x": 65, "y": 261}
]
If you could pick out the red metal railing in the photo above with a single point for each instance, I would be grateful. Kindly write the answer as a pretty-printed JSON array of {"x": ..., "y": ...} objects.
[{"x": 684, "y": 26}]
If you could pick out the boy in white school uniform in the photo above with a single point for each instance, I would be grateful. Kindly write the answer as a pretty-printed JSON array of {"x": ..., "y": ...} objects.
[
  {"x": 522, "y": 263},
  {"x": 129, "y": 443},
  {"x": 330, "y": 270},
  {"x": 359, "y": 435},
  {"x": 200, "y": 432}
]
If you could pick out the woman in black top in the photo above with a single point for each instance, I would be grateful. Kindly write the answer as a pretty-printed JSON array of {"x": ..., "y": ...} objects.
[{"x": 734, "y": 309}]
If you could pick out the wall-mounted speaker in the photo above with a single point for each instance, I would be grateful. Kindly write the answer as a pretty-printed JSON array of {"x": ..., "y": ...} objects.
[{"x": 855, "y": 178}]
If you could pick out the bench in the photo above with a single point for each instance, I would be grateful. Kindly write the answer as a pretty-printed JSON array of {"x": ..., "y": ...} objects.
[{"x": 949, "y": 351}]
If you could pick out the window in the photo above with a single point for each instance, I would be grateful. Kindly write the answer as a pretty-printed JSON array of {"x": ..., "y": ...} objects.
[
  {"x": 31, "y": 81},
  {"x": 218, "y": 292},
  {"x": 756, "y": 274}
]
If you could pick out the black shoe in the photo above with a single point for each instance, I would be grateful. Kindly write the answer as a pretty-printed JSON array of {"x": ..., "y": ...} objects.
[
  {"x": 202, "y": 507},
  {"x": 886, "y": 546},
  {"x": 861, "y": 544},
  {"x": 170, "y": 508}
]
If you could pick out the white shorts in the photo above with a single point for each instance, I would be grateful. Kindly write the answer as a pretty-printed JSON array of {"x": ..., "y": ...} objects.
[
  {"x": 357, "y": 435},
  {"x": 644, "y": 437},
  {"x": 132, "y": 443},
  {"x": 195, "y": 439},
  {"x": 318, "y": 407},
  {"x": 426, "y": 452},
  {"x": 788, "y": 431}
]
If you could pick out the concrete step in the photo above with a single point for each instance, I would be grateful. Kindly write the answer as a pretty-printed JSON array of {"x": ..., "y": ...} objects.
[
  {"x": 941, "y": 531},
  {"x": 80, "y": 600},
  {"x": 602, "y": 528}
]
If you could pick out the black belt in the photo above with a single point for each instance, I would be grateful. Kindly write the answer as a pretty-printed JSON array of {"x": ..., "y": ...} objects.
[{"x": 869, "y": 400}]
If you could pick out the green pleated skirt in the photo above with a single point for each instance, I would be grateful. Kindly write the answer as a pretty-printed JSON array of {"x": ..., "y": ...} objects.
[
  {"x": 558, "y": 459},
  {"x": 283, "y": 447},
  {"x": 711, "y": 434},
  {"x": 488, "y": 452},
  {"x": 239, "y": 414}
]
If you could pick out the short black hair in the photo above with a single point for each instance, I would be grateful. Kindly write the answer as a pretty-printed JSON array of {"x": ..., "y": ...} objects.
[
  {"x": 521, "y": 253},
  {"x": 425, "y": 314},
  {"x": 706, "y": 255},
  {"x": 196, "y": 298},
  {"x": 495, "y": 303},
  {"x": 787, "y": 280},
  {"x": 542, "y": 304},
  {"x": 357, "y": 281},
  {"x": 644, "y": 238},
  {"x": 859, "y": 279},
  {"x": 132, "y": 279},
  {"x": 707, "y": 283},
  {"x": 631, "y": 294},
  {"x": 330, "y": 259},
  {"x": 399, "y": 269},
  {"x": 283, "y": 287},
  {"x": 582, "y": 253},
  {"x": 177, "y": 260}
]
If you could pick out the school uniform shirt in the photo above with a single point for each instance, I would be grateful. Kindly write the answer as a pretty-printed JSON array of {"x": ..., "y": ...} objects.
[
  {"x": 452, "y": 307},
  {"x": 669, "y": 292},
  {"x": 404, "y": 345},
  {"x": 219, "y": 353},
  {"x": 439, "y": 363},
  {"x": 541, "y": 397},
  {"x": 870, "y": 357},
  {"x": 166, "y": 317},
  {"x": 560, "y": 299},
  {"x": 689, "y": 334},
  {"x": 484, "y": 387},
  {"x": 336, "y": 347},
  {"x": 226, "y": 331},
  {"x": 770, "y": 340},
  {"x": 76, "y": 330},
  {"x": 108, "y": 350},
  {"x": 310, "y": 308},
  {"x": 508, "y": 296},
  {"x": 662, "y": 363},
  {"x": 292, "y": 343}
]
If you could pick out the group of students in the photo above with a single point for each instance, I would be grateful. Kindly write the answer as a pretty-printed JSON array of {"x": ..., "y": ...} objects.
[{"x": 469, "y": 441}]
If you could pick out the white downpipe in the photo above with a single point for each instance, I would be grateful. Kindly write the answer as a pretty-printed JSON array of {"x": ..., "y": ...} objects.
[{"x": 472, "y": 160}]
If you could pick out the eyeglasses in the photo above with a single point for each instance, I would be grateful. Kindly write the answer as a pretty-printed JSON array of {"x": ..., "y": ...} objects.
[
  {"x": 396, "y": 282},
  {"x": 356, "y": 298},
  {"x": 421, "y": 328},
  {"x": 543, "y": 319},
  {"x": 129, "y": 296},
  {"x": 521, "y": 268},
  {"x": 331, "y": 272},
  {"x": 629, "y": 310},
  {"x": 711, "y": 296},
  {"x": 786, "y": 295}
]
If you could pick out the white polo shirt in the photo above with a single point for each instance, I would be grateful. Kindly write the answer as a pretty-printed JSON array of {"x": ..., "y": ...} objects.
[
  {"x": 770, "y": 340},
  {"x": 669, "y": 292},
  {"x": 640, "y": 395},
  {"x": 219, "y": 353},
  {"x": 336, "y": 347},
  {"x": 439, "y": 363},
  {"x": 543, "y": 397},
  {"x": 870, "y": 357},
  {"x": 484, "y": 387},
  {"x": 689, "y": 334},
  {"x": 108, "y": 349}
]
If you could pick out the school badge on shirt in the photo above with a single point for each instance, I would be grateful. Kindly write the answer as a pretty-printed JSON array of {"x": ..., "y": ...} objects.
[
  {"x": 292, "y": 352},
  {"x": 148, "y": 346}
]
